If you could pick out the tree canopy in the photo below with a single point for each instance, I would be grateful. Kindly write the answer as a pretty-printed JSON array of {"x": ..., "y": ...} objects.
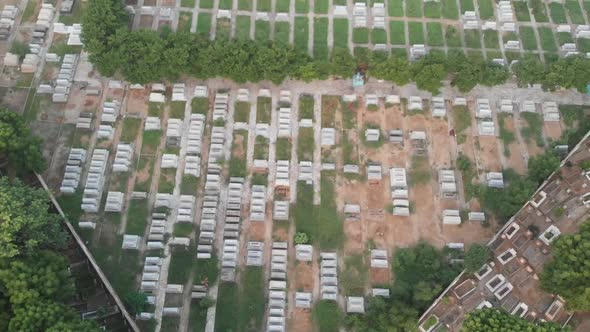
[
  {"x": 25, "y": 222},
  {"x": 567, "y": 274},
  {"x": 477, "y": 255},
  {"x": 18, "y": 145},
  {"x": 541, "y": 166},
  {"x": 492, "y": 319}
]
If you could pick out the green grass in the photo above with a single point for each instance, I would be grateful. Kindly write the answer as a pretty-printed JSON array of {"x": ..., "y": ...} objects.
[
  {"x": 206, "y": 4},
  {"x": 197, "y": 316},
  {"x": 583, "y": 45},
  {"x": 223, "y": 28},
  {"x": 432, "y": 9},
  {"x": 395, "y": 8},
  {"x": 327, "y": 316},
  {"x": 414, "y": 8},
  {"x": 360, "y": 35},
  {"x": 227, "y": 307},
  {"x": 467, "y": 5},
  {"x": 486, "y": 9},
  {"x": 397, "y": 33},
  {"x": 575, "y": 12},
  {"x": 378, "y": 36},
  {"x": 527, "y": 35},
  {"x": 282, "y": 30},
  {"x": 340, "y": 32},
  {"x": 262, "y": 31},
  {"x": 259, "y": 179},
  {"x": 204, "y": 23},
  {"x": 547, "y": 39},
  {"x": 434, "y": 34},
  {"x": 242, "y": 111},
  {"x": 538, "y": 10},
  {"x": 301, "y": 33},
  {"x": 522, "y": 11},
  {"x": 261, "y": 148},
  {"x": 304, "y": 213},
  {"x": 145, "y": 165},
  {"x": 355, "y": 275},
  {"x": 507, "y": 136},
  {"x": 245, "y": 5},
  {"x": 200, "y": 105},
  {"x": 321, "y": 6},
  {"x": 183, "y": 229},
  {"x": 130, "y": 129},
  {"x": 263, "y": 109},
  {"x": 330, "y": 233},
  {"x": 320, "y": 38},
  {"x": 450, "y": 9},
  {"x": 283, "y": 149},
  {"x": 237, "y": 166},
  {"x": 137, "y": 216},
  {"x": 206, "y": 270},
  {"x": 301, "y": 6},
  {"x": 263, "y": 5},
  {"x": 532, "y": 128},
  {"x": 490, "y": 39},
  {"x": 150, "y": 141},
  {"x": 242, "y": 27},
  {"x": 252, "y": 299},
  {"x": 416, "y": 31},
  {"x": 305, "y": 144},
  {"x": 282, "y": 6},
  {"x": 75, "y": 16},
  {"x": 306, "y": 105},
  {"x": 167, "y": 180},
  {"x": 71, "y": 205},
  {"x": 29, "y": 11},
  {"x": 420, "y": 171},
  {"x": 181, "y": 262},
  {"x": 572, "y": 115},
  {"x": 557, "y": 11},
  {"x": 461, "y": 119},
  {"x": 453, "y": 36},
  {"x": 177, "y": 109},
  {"x": 184, "y": 21},
  {"x": 155, "y": 109},
  {"x": 564, "y": 37},
  {"x": 189, "y": 185},
  {"x": 472, "y": 38}
]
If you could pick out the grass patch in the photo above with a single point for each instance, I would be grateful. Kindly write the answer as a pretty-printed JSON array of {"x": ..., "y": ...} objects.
[
  {"x": 432, "y": 9},
  {"x": 330, "y": 105},
  {"x": 259, "y": 179},
  {"x": 301, "y": 33},
  {"x": 434, "y": 34},
  {"x": 200, "y": 105},
  {"x": 242, "y": 27},
  {"x": 283, "y": 149},
  {"x": 420, "y": 172},
  {"x": 557, "y": 11},
  {"x": 467, "y": 5},
  {"x": 150, "y": 141},
  {"x": 227, "y": 307},
  {"x": 547, "y": 39},
  {"x": 522, "y": 11},
  {"x": 305, "y": 144},
  {"x": 225, "y": 4},
  {"x": 155, "y": 109},
  {"x": 533, "y": 129},
  {"x": 360, "y": 35},
  {"x": 349, "y": 151},
  {"x": 137, "y": 215},
  {"x": 177, "y": 109},
  {"x": 453, "y": 36},
  {"x": 75, "y": 16},
  {"x": 564, "y": 37},
  {"x": 203, "y": 23},
  {"x": 252, "y": 299},
  {"x": 71, "y": 205},
  {"x": 527, "y": 35},
  {"x": 340, "y": 32},
  {"x": 237, "y": 164},
  {"x": 223, "y": 28},
  {"x": 189, "y": 185},
  {"x": 330, "y": 233},
  {"x": 30, "y": 10},
  {"x": 321, "y": 6},
  {"x": 583, "y": 45},
  {"x": 414, "y": 8},
  {"x": 320, "y": 38},
  {"x": 206, "y": 271},
  {"x": 575, "y": 12},
  {"x": 538, "y": 10},
  {"x": 490, "y": 39},
  {"x": 306, "y": 105},
  {"x": 262, "y": 31},
  {"x": 301, "y": 6},
  {"x": 461, "y": 119},
  {"x": 378, "y": 36},
  {"x": 355, "y": 274},
  {"x": 397, "y": 33},
  {"x": 263, "y": 109},
  {"x": 507, "y": 136},
  {"x": 185, "y": 21},
  {"x": 167, "y": 180},
  {"x": 242, "y": 111},
  {"x": 282, "y": 6},
  {"x": 282, "y": 33},
  {"x": 416, "y": 31},
  {"x": 472, "y": 38},
  {"x": 327, "y": 316},
  {"x": 206, "y": 4},
  {"x": 395, "y": 8},
  {"x": 450, "y": 9},
  {"x": 261, "y": 148},
  {"x": 143, "y": 180},
  {"x": 486, "y": 9},
  {"x": 304, "y": 212},
  {"x": 245, "y": 5},
  {"x": 181, "y": 263},
  {"x": 183, "y": 229}
]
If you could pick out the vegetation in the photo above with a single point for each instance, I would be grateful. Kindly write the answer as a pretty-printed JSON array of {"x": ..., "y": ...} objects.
[
  {"x": 330, "y": 230},
  {"x": 541, "y": 166},
  {"x": 476, "y": 257},
  {"x": 19, "y": 149},
  {"x": 533, "y": 129},
  {"x": 566, "y": 274},
  {"x": 492, "y": 319},
  {"x": 327, "y": 316},
  {"x": 355, "y": 274}
]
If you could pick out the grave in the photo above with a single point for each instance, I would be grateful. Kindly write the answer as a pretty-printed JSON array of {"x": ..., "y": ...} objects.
[
  {"x": 114, "y": 201},
  {"x": 329, "y": 276},
  {"x": 304, "y": 252},
  {"x": 451, "y": 217},
  {"x": 355, "y": 304},
  {"x": 258, "y": 203},
  {"x": 280, "y": 210},
  {"x": 254, "y": 254},
  {"x": 328, "y": 136}
]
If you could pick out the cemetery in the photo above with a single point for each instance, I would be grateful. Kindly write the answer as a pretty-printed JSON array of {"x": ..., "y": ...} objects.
[{"x": 249, "y": 206}]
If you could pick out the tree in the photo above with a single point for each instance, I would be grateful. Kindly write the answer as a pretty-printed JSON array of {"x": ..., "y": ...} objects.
[
  {"x": 135, "y": 301},
  {"x": 75, "y": 325},
  {"x": 327, "y": 315},
  {"x": 567, "y": 274},
  {"x": 18, "y": 145},
  {"x": 528, "y": 70},
  {"x": 429, "y": 72},
  {"x": 25, "y": 222},
  {"x": 301, "y": 238},
  {"x": 477, "y": 255},
  {"x": 541, "y": 166},
  {"x": 38, "y": 277},
  {"x": 395, "y": 69},
  {"x": 342, "y": 63},
  {"x": 491, "y": 319},
  {"x": 504, "y": 203}
]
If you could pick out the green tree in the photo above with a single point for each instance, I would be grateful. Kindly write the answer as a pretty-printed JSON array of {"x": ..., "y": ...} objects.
[
  {"x": 491, "y": 319},
  {"x": 75, "y": 325},
  {"x": 395, "y": 69},
  {"x": 567, "y": 274},
  {"x": 541, "y": 166},
  {"x": 529, "y": 70},
  {"x": 477, "y": 255},
  {"x": 504, "y": 203},
  {"x": 428, "y": 73},
  {"x": 135, "y": 301},
  {"x": 327, "y": 316},
  {"x": 25, "y": 222},
  {"x": 18, "y": 146},
  {"x": 342, "y": 63},
  {"x": 301, "y": 238}
]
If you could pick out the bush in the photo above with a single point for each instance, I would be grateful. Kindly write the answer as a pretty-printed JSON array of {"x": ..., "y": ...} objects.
[
  {"x": 301, "y": 238},
  {"x": 476, "y": 257}
]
